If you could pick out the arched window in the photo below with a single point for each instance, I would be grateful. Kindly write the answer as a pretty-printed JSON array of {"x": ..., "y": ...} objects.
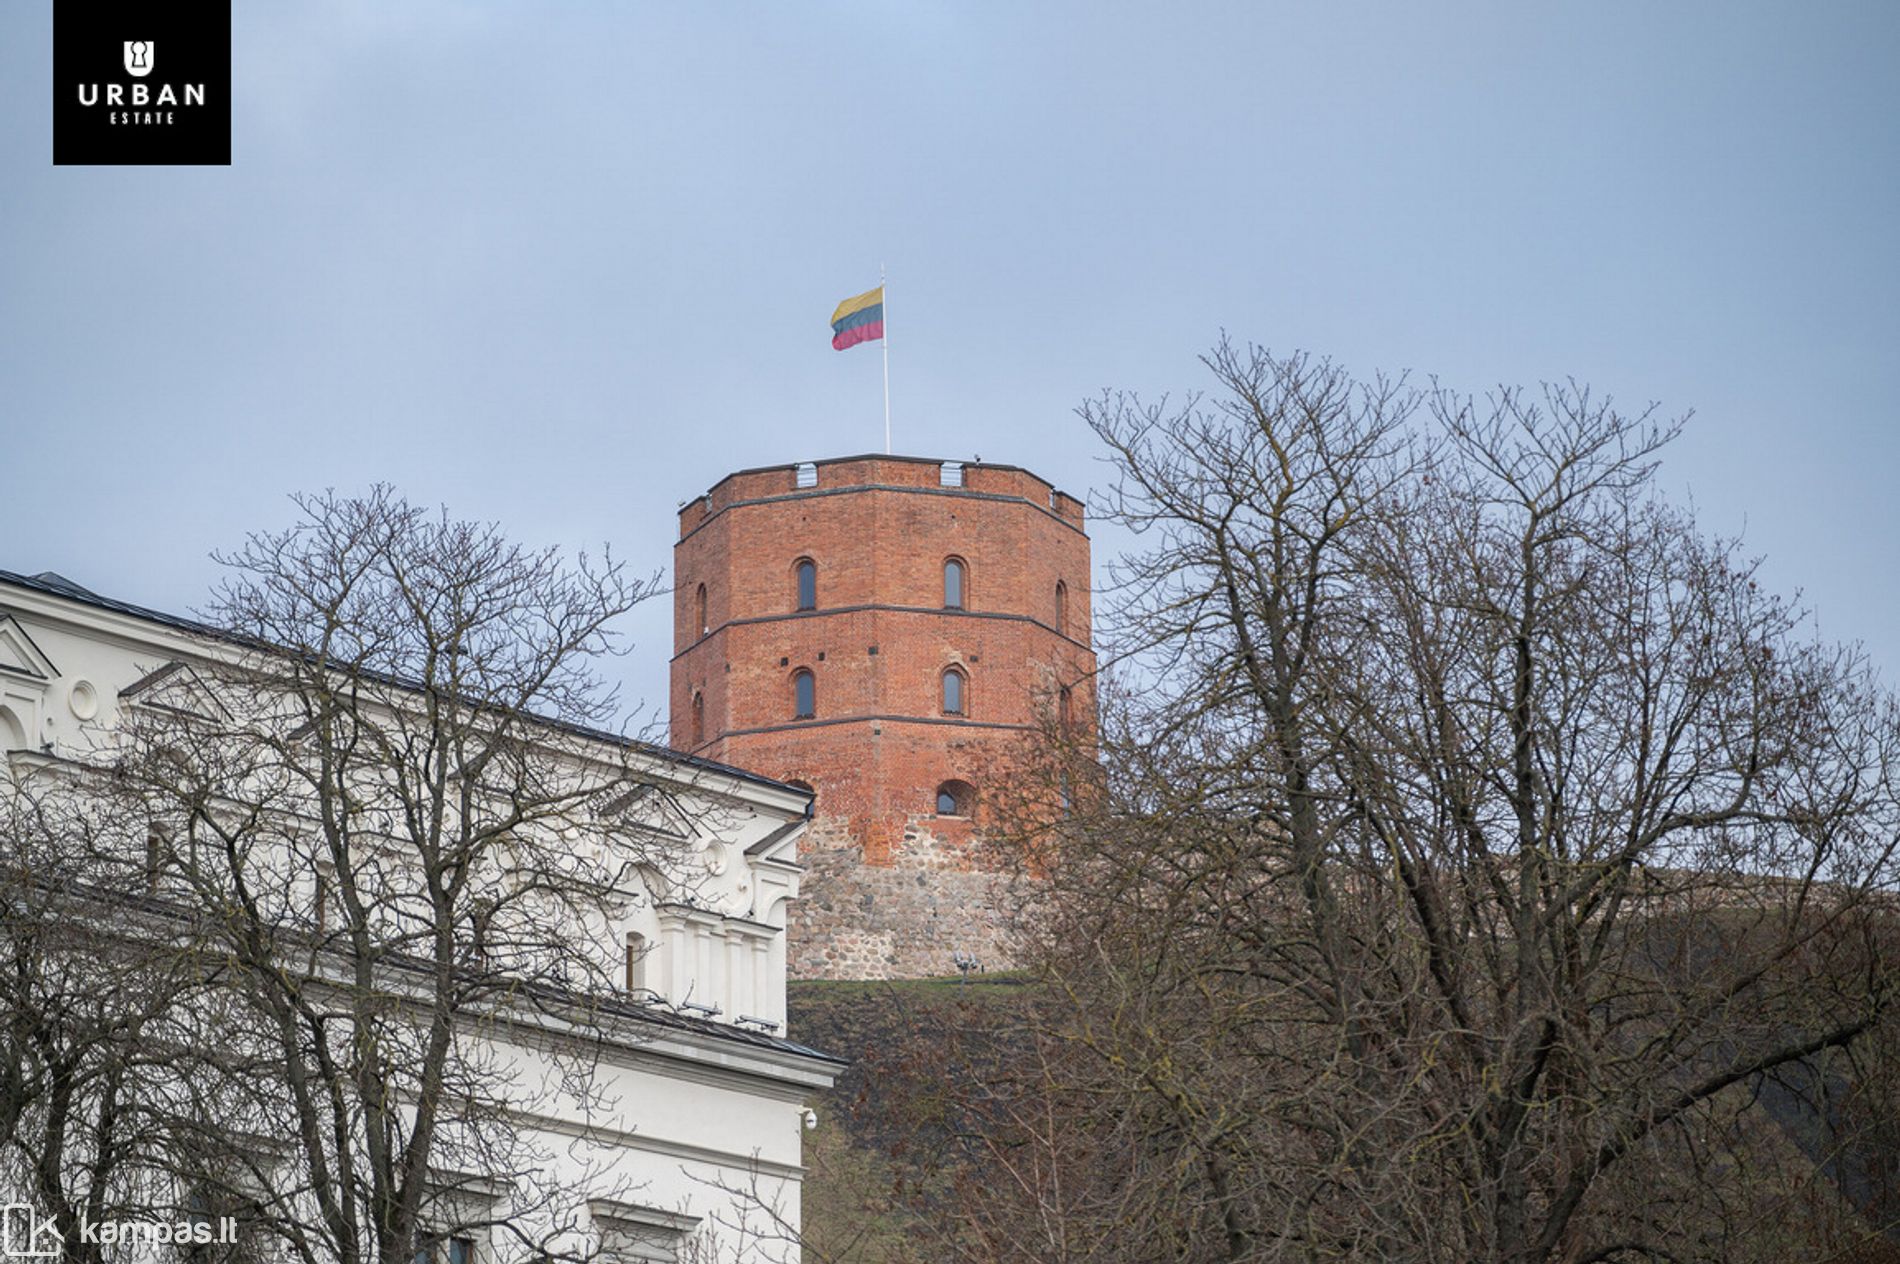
[
  {"x": 956, "y": 689},
  {"x": 807, "y": 572},
  {"x": 12, "y": 732},
  {"x": 699, "y": 718},
  {"x": 953, "y": 572},
  {"x": 956, "y": 798},
  {"x": 1062, "y": 607},
  {"x": 1064, "y": 707},
  {"x": 804, "y": 695},
  {"x": 699, "y": 611}
]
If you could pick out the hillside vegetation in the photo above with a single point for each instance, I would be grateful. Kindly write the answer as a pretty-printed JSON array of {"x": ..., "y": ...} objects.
[{"x": 886, "y": 1166}]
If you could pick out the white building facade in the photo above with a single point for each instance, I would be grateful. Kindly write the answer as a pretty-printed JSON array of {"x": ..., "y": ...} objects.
[{"x": 685, "y": 1141}]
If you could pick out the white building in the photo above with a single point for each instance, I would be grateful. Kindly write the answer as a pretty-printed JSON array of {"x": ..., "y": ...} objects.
[{"x": 689, "y": 1140}]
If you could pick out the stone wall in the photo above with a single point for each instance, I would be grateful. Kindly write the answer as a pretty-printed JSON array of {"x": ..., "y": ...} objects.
[{"x": 900, "y": 919}]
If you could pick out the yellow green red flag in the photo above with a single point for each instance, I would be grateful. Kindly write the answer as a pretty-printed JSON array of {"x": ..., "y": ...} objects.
[{"x": 859, "y": 319}]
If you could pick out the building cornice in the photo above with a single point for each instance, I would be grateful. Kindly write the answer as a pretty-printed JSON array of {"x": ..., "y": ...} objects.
[
  {"x": 610, "y": 1026},
  {"x": 646, "y": 1142}
]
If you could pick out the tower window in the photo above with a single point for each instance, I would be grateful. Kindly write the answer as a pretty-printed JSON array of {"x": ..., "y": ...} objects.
[
  {"x": 955, "y": 798},
  {"x": 955, "y": 691},
  {"x": 699, "y": 718},
  {"x": 699, "y": 611},
  {"x": 950, "y": 474},
  {"x": 1062, "y": 607},
  {"x": 1064, "y": 707},
  {"x": 953, "y": 573},
  {"x": 805, "y": 475},
  {"x": 807, "y": 572},
  {"x": 804, "y": 695}
]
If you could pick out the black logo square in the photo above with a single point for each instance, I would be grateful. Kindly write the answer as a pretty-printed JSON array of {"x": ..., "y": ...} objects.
[{"x": 137, "y": 83}]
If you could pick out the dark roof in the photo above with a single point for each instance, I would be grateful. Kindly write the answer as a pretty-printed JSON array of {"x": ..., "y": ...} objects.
[
  {"x": 57, "y": 585},
  {"x": 55, "y": 580},
  {"x": 724, "y": 1031}
]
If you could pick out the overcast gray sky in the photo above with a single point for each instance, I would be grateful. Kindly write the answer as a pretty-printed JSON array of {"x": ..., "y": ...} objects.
[{"x": 563, "y": 265}]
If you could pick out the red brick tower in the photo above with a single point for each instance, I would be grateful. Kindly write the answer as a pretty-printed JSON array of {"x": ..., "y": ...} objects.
[{"x": 882, "y": 629}]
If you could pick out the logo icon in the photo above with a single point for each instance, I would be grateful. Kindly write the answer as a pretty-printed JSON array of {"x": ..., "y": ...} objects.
[
  {"x": 114, "y": 105},
  {"x": 24, "y": 1236}
]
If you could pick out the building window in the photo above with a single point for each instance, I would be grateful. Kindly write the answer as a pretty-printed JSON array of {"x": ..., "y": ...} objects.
[
  {"x": 950, "y": 474},
  {"x": 955, "y": 798},
  {"x": 636, "y": 961},
  {"x": 807, "y": 572},
  {"x": 198, "y": 1212},
  {"x": 1062, "y": 607},
  {"x": 449, "y": 1250},
  {"x": 699, "y": 611},
  {"x": 1064, "y": 707},
  {"x": 480, "y": 919},
  {"x": 218, "y": 1209},
  {"x": 956, "y": 691},
  {"x": 805, "y": 475},
  {"x": 154, "y": 858},
  {"x": 804, "y": 695},
  {"x": 12, "y": 731},
  {"x": 953, "y": 572},
  {"x": 699, "y": 718},
  {"x": 320, "y": 898}
]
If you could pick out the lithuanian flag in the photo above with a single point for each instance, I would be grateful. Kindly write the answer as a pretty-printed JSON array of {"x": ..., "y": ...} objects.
[{"x": 859, "y": 319}]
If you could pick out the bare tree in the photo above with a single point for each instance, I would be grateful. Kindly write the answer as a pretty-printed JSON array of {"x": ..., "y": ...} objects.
[
  {"x": 1475, "y": 841},
  {"x": 395, "y": 835},
  {"x": 95, "y": 985}
]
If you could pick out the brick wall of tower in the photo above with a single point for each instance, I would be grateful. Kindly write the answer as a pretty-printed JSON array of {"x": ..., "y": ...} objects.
[{"x": 894, "y": 887}]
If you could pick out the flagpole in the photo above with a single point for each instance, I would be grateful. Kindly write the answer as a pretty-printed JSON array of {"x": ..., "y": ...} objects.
[{"x": 886, "y": 340}]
